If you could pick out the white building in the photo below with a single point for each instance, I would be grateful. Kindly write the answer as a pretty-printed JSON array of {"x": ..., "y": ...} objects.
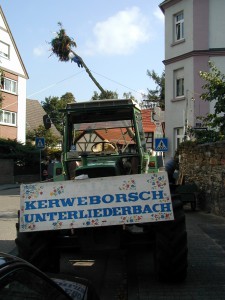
[
  {"x": 194, "y": 34},
  {"x": 13, "y": 106}
]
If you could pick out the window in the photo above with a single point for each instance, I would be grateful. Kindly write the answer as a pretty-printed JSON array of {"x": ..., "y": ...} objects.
[
  {"x": 179, "y": 26},
  {"x": 7, "y": 117},
  {"x": 149, "y": 140},
  {"x": 4, "y": 50},
  {"x": 10, "y": 85},
  {"x": 178, "y": 135},
  {"x": 179, "y": 83},
  {"x": 179, "y": 87}
]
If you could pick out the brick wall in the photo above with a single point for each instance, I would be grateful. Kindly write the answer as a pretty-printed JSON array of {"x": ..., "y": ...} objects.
[{"x": 205, "y": 165}]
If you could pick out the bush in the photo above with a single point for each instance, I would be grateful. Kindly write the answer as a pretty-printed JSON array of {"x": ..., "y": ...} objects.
[{"x": 26, "y": 157}]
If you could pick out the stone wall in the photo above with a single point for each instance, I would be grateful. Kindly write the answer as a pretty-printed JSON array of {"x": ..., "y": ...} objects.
[{"x": 205, "y": 165}]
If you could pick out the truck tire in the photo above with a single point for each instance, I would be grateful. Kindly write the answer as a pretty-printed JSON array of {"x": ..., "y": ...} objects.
[
  {"x": 170, "y": 255},
  {"x": 37, "y": 248}
]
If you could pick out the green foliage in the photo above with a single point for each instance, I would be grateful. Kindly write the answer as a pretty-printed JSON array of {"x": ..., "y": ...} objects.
[
  {"x": 104, "y": 95},
  {"x": 62, "y": 44},
  {"x": 214, "y": 91},
  {"x": 129, "y": 96},
  {"x": 51, "y": 141},
  {"x": 52, "y": 105},
  {"x": 67, "y": 98},
  {"x": 204, "y": 135},
  {"x": 25, "y": 157},
  {"x": 158, "y": 94}
]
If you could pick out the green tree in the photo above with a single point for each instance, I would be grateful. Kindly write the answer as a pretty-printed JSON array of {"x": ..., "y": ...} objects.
[
  {"x": 129, "y": 96},
  {"x": 157, "y": 94},
  {"x": 52, "y": 105},
  {"x": 104, "y": 95},
  {"x": 51, "y": 140},
  {"x": 214, "y": 90}
]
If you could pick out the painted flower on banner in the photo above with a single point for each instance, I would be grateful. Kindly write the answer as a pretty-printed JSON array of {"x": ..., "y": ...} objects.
[
  {"x": 57, "y": 225},
  {"x": 128, "y": 185},
  {"x": 57, "y": 191},
  {"x": 157, "y": 182},
  {"x": 32, "y": 191}
]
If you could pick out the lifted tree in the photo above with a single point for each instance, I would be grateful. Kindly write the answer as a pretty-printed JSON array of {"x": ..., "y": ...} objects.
[{"x": 62, "y": 46}]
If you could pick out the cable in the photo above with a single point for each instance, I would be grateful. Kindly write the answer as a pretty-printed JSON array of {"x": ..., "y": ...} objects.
[
  {"x": 54, "y": 84},
  {"x": 58, "y": 82},
  {"x": 117, "y": 82}
]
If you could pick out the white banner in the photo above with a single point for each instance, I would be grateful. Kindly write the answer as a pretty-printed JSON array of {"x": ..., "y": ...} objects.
[{"x": 105, "y": 201}]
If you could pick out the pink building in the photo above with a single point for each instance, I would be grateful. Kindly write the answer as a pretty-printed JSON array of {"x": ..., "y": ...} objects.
[{"x": 193, "y": 36}]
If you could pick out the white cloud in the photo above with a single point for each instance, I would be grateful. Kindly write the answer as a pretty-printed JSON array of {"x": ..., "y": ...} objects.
[
  {"x": 120, "y": 34},
  {"x": 39, "y": 51}
]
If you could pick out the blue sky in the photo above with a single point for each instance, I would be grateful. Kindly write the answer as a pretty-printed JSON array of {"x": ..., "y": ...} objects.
[{"x": 119, "y": 40}]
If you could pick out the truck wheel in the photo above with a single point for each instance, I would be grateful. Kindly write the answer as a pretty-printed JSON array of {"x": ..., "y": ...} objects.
[
  {"x": 37, "y": 248},
  {"x": 170, "y": 255}
]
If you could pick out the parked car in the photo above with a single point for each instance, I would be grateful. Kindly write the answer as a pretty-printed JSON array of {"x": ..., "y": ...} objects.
[{"x": 19, "y": 280}]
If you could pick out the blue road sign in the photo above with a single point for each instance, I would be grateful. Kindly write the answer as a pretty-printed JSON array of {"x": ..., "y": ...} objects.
[
  {"x": 40, "y": 142},
  {"x": 161, "y": 144}
]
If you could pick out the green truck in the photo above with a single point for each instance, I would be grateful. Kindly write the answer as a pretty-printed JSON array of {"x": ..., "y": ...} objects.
[{"x": 106, "y": 190}]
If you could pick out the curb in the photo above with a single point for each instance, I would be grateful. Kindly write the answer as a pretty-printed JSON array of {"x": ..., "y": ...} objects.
[
  {"x": 8, "y": 214},
  {"x": 4, "y": 187}
]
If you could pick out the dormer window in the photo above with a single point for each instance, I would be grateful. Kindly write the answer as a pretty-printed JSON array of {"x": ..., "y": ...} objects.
[{"x": 4, "y": 50}]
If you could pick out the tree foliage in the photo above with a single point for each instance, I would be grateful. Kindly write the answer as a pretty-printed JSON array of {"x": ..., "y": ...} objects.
[
  {"x": 157, "y": 94},
  {"x": 51, "y": 140},
  {"x": 129, "y": 96},
  {"x": 104, "y": 95},
  {"x": 52, "y": 105},
  {"x": 62, "y": 44},
  {"x": 214, "y": 91},
  {"x": 26, "y": 157}
]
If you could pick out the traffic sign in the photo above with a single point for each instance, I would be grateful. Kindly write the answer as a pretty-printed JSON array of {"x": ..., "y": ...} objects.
[
  {"x": 40, "y": 142},
  {"x": 161, "y": 144}
]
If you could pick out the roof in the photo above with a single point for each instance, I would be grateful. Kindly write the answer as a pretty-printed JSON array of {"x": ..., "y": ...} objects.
[
  {"x": 14, "y": 43},
  {"x": 148, "y": 125},
  {"x": 34, "y": 117}
]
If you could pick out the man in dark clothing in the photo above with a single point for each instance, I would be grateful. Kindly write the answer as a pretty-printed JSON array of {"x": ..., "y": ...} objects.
[{"x": 170, "y": 166}]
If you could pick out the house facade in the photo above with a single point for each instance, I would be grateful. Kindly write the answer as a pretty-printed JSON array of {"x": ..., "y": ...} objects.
[
  {"x": 13, "y": 86},
  {"x": 193, "y": 37}
]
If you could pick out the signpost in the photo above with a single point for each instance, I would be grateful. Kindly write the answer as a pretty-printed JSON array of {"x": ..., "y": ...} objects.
[
  {"x": 161, "y": 144},
  {"x": 40, "y": 144}
]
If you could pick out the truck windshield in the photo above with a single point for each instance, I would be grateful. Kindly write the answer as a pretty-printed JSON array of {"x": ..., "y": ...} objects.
[{"x": 109, "y": 136}]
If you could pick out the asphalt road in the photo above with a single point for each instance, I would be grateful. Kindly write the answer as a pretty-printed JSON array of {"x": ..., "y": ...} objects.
[
  {"x": 9, "y": 205},
  {"x": 128, "y": 274}
]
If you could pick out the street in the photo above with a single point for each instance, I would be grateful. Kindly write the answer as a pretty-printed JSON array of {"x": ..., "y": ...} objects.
[{"x": 129, "y": 273}]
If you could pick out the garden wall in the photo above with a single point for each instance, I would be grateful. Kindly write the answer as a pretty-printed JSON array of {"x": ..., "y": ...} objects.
[
  {"x": 205, "y": 165},
  {"x": 8, "y": 176},
  {"x": 7, "y": 171}
]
